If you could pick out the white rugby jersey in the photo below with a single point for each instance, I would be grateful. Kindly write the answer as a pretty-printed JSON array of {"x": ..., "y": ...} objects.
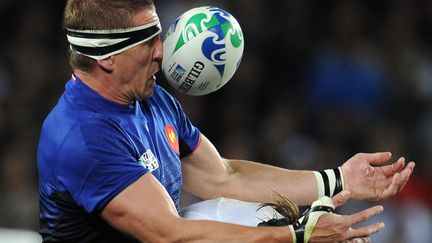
[{"x": 229, "y": 211}]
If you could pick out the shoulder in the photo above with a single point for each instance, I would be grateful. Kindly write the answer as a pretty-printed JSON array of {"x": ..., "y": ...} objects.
[
  {"x": 96, "y": 133},
  {"x": 76, "y": 135},
  {"x": 96, "y": 162}
]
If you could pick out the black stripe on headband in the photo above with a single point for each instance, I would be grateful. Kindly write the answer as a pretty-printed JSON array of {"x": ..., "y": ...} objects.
[{"x": 133, "y": 37}]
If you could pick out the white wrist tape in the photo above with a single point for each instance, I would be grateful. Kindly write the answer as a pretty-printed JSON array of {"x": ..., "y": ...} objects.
[
  {"x": 330, "y": 182},
  {"x": 293, "y": 233},
  {"x": 303, "y": 228}
]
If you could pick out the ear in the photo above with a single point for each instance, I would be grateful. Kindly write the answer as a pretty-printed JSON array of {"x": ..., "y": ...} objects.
[{"x": 106, "y": 64}]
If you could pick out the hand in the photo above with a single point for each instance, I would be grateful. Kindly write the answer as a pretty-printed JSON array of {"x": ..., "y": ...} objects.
[
  {"x": 366, "y": 181},
  {"x": 358, "y": 240},
  {"x": 338, "y": 228}
]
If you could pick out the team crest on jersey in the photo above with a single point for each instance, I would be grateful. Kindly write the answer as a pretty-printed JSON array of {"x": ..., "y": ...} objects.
[
  {"x": 149, "y": 161},
  {"x": 171, "y": 136}
]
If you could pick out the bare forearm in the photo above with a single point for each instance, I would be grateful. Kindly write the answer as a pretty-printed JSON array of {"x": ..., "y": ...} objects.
[
  {"x": 207, "y": 175},
  {"x": 145, "y": 211},
  {"x": 256, "y": 182},
  {"x": 211, "y": 231},
  {"x": 175, "y": 229}
]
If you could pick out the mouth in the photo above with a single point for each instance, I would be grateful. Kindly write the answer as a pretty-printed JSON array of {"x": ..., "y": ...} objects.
[
  {"x": 153, "y": 78},
  {"x": 151, "y": 82}
]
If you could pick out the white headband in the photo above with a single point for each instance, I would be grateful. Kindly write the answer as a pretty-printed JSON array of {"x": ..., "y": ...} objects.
[{"x": 100, "y": 44}]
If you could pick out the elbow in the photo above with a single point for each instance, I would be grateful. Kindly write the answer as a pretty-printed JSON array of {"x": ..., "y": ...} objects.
[
  {"x": 163, "y": 229},
  {"x": 175, "y": 231}
]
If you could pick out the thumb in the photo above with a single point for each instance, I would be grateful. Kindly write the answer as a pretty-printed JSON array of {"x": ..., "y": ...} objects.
[{"x": 341, "y": 198}]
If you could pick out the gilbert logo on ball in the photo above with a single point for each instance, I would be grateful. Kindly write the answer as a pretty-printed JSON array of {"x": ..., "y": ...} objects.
[{"x": 202, "y": 50}]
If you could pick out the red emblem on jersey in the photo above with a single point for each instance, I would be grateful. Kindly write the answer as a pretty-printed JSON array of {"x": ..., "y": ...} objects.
[{"x": 171, "y": 136}]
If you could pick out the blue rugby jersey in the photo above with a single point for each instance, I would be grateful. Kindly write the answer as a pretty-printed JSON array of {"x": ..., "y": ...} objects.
[{"x": 91, "y": 149}]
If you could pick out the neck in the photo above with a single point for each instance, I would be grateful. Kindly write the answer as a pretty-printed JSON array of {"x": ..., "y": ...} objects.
[{"x": 103, "y": 84}]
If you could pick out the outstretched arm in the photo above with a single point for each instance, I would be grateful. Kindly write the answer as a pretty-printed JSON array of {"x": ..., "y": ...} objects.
[
  {"x": 145, "y": 211},
  {"x": 208, "y": 175}
]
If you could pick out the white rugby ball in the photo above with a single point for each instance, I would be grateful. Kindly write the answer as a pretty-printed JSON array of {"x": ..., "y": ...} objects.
[{"x": 202, "y": 50}]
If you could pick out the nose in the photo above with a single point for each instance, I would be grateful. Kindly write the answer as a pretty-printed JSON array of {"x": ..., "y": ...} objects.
[{"x": 158, "y": 51}]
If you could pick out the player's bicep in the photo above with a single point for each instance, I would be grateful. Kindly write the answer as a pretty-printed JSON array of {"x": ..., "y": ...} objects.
[
  {"x": 205, "y": 171},
  {"x": 143, "y": 210}
]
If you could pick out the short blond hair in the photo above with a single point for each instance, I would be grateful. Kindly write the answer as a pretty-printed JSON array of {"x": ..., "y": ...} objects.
[{"x": 99, "y": 15}]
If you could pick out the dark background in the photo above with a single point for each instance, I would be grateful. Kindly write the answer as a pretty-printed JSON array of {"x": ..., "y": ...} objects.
[{"x": 319, "y": 82}]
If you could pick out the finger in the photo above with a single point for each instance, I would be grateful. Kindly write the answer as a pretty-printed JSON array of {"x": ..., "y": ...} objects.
[
  {"x": 341, "y": 198},
  {"x": 358, "y": 240},
  {"x": 392, "y": 169},
  {"x": 399, "y": 181},
  {"x": 366, "y": 239},
  {"x": 405, "y": 174},
  {"x": 378, "y": 158},
  {"x": 362, "y": 240},
  {"x": 392, "y": 189},
  {"x": 365, "y": 214},
  {"x": 409, "y": 168},
  {"x": 365, "y": 231}
]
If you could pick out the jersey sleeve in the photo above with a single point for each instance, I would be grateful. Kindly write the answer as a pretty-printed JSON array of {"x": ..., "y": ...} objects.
[
  {"x": 98, "y": 162},
  {"x": 189, "y": 135}
]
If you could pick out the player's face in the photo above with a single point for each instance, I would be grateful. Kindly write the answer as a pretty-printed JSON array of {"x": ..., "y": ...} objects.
[{"x": 137, "y": 66}]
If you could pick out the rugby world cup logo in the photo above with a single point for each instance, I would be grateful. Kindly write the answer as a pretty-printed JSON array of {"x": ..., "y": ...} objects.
[{"x": 221, "y": 28}]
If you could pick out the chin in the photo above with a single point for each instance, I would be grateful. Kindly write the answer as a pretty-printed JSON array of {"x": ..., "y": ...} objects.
[{"x": 145, "y": 95}]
